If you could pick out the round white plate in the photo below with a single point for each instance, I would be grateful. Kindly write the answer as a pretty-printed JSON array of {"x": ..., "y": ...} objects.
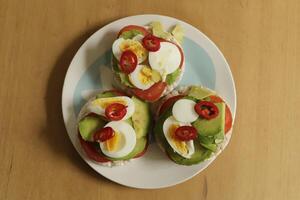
[{"x": 89, "y": 72}]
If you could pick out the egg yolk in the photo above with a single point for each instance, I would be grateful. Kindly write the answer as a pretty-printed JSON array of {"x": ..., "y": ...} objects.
[
  {"x": 113, "y": 143},
  {"x": 180, "y": 145},
  {"x": 104, "y": 102},
  {"x": 135, "y": 47},
  {"x": 145, "y": 76}
]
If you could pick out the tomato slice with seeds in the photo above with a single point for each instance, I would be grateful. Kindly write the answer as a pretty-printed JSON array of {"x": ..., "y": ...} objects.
[
  {"x": 128, "y": 61},
  {"x": 141, "y": 29},
  {"x": 151, "y": 43},
  {"x": 186, "y": 133},
  {"x": 168, "y": 103},
  {"x": 103, "y": 134},
  {"x": 206, "y": 109},
  {"x": 91, "y": 151},
  {"x": 228, "y": 115},
  {"x": 152, "y": 94},
  {"x": 115, "y": 111}
]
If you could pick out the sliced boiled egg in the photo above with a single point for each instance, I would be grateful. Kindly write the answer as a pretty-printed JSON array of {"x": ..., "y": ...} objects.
[
  {"x": 123, "y": 141},
  {"x": 120, "y": 45},
  {"x": 183, "y": 111},
  {"x": 183, "y": 148},
  {"x": 99, "y": 105},
  {"x": 141, "y": 77},
  {"x": 167, "y": 59}
]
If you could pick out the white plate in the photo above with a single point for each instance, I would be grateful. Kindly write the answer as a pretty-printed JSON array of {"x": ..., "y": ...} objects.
[{"x": 89, "y": 72}]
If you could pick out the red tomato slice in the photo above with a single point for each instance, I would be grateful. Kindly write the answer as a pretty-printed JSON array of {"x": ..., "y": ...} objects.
[
  {"x": 133, "y": 27},
  {"x": 228, "y": 115},
  {"x": 103, "y": 134},
  {"x": 151, "y": 43},
  {"x": 128, "y": 62},
  {"x": 91, "y": 152},
  {"x": 115, "y": 111},
  {"x": 152, "y": 94},
  {"x": 186, "y": 133},
  {"x": 168, "y": 103},
  {"x": 206, "y": 109}
]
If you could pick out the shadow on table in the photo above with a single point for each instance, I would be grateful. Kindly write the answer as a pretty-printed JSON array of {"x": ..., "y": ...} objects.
[{"x": 55, "y": 133}]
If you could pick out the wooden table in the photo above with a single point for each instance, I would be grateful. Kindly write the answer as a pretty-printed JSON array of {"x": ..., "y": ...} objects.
[{"x": 261, "y": 41}]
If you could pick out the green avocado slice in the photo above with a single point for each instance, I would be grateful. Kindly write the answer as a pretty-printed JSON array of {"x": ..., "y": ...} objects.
[
  {"x": 130, "y": 34},
  {"x": 199, "y": 92},
  {"x": 213, "y": 126},
  {"x": 141, "y": 117},
  {"x": 88, "y": 125},
  {"x": 200, "y": 155},
  {"x": 171, "y": 78}
]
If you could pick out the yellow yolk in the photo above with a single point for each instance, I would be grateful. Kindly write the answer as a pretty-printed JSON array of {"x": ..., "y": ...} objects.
[
  {"x": 180, "y": 145},
  {"x": 104, "y": 102},
  {"x": 145, "y": 75},
  {"x": 113, "y": 143},
  {"x": 135, "y": 47}
]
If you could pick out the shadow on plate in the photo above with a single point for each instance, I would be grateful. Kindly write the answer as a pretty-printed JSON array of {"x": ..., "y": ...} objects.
[{"x": 55, "y": 134}]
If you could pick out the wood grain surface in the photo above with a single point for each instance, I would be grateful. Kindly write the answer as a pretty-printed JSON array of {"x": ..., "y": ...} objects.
[{"x": 259, "y": 38}]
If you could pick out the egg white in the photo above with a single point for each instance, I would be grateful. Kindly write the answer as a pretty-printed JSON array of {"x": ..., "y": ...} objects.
[
  {"x": 166, "y": 60},
  {"x": 190, "y": 144},
  {"x": 118, "y": 52},
  {"x": 128, "y": 139},
  {"x": 183, "y": 111},
  {"x": 94, "y": 106},
  {"x": 134, "y": 78}
]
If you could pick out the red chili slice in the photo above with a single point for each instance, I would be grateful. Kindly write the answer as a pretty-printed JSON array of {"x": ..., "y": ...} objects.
[
  {"x": 186, "y": 133},
  {"x": 141, "y": 29},
  {"x": 151, "y": 43},
  {"x": 168, "y": 103},
  {"x": 103, "y": 134},
  {"x": 207, "y": 110},
  {"x": 228, "y": 115},
  {"x": 128, "y": 61},
  {"x": 115, "y": 111},
  {"x": 91, "y": 151},
  {"x": 152, "y": 94}
]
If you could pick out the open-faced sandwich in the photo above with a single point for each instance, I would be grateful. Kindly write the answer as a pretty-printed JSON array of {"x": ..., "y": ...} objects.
[
  {"x": 148, "y": 61},
  {"x": 191, "y": 124},
  {"x": 113, "y": 128}
]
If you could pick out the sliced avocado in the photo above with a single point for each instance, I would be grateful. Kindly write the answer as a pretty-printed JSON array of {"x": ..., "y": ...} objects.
[
  {"x": 125, "y": 79},
  {"x": 130, "y": 34},
  {"x": 105, "y": 94},
  {"x": 200, "y": 155},
  {"x": 115, "y": 63},
  {"x": 178, "y": 33},
  {"x": 212, "y": 147},
  {"x": 88, "y": 125},
  {"x": 171, "y": 78},
  {"x": 213, "y": 126},
  {"x": 206, "y": 139},
  {"x": 158, "y": 30},
  {"x": 139, "y": 147},
  {"x": 199, "y": 92},
  {"x": 141, "y": 117}
]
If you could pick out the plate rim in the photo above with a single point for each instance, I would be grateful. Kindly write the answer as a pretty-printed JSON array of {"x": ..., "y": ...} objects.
[{"x": 167, "y": 18}]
